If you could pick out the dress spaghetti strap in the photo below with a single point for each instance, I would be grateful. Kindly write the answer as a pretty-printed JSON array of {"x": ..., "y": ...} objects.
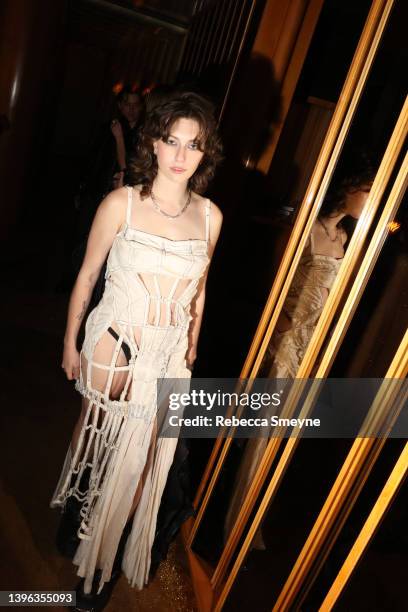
[
  {"x": 129, "y": 205},
  {"x": 207, "y": 221}
]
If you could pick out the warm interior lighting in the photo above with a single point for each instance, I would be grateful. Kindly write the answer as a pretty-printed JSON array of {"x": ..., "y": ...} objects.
[
  {"x": 393, "y": 226},
  {"x": 117, "y": 87}
]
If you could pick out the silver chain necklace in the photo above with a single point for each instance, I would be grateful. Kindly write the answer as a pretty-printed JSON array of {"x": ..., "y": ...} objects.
[
  {"x": 165, "y": 214},
  {"x": 327, "y": 231}
]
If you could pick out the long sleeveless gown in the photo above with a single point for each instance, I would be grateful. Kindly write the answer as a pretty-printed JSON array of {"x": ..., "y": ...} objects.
[
  {"x": 150, "y": 284},
  {"x": 303, "y": 305}
]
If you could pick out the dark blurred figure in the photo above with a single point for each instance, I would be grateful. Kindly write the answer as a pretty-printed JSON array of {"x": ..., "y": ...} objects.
[
  {"x": 106, "y": 166},
  {"x": 105, "y": 170},
  {"x": 124, "y": 129}
]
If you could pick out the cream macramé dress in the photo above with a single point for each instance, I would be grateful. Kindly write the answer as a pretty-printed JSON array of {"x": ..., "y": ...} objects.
[
  {"x": 150, "y": 284},
  {"x": 304, "y": 303}
]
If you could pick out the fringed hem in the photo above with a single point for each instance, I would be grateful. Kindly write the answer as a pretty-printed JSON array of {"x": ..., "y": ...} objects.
[
  {"x": 99, "y": 440},
  {"x": 113, "y": 446}
]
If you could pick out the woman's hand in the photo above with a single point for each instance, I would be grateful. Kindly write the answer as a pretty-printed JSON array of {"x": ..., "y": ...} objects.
[
  {"x": 70, "y": 362},
  {"x": 116, "y": 129}
]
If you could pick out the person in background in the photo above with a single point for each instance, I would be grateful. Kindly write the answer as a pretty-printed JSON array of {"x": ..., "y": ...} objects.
[
  {"x": 124, "y": 130},
  {"x": 105, "y": 168},
  {"x": 105, "y": 171}
]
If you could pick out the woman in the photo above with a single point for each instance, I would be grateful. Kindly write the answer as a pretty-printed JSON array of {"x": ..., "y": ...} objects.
[
  {"x": 160, "y": 236},
  {"x": 313, "y": 279},
  {"x": 115, "y": 141},
  {"x": 106, "y": 170},
  {"x": 124, "y": 129}
]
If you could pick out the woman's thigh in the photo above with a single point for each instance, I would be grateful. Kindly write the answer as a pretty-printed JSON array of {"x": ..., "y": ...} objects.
[{"x": 108, "y": 371}]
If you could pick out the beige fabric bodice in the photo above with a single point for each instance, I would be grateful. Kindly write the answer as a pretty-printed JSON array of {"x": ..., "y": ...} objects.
[{"x": 304, "y": 303}]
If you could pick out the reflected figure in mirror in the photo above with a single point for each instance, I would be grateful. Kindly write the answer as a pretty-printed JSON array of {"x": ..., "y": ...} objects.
[{"x": 313, "y": 279}]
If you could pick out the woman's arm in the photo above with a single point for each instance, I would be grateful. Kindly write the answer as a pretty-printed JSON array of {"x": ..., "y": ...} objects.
[
  {"x": 117, "y": 132},
  {"x": 197, "y": 306},
  {"x": 107, "y": 222}
]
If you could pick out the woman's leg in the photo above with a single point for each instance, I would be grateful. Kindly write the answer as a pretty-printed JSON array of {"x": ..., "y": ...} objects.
[
  {"x": 102, "y": 356},
  {"x": 78, "y": 425},
  {"x": 149, "y": 461},
  {"x": 99, "y": 381}
]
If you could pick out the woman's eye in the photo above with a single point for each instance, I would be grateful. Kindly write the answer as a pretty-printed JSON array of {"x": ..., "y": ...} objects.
[
  {"x": 193, "y": 146},
  {"x": 170, "y": 141}
]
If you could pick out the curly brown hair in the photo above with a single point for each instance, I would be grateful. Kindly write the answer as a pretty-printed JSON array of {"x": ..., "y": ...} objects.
[
  {"x": 158, "y": 124},
  {"x": 355, "y": 173}
]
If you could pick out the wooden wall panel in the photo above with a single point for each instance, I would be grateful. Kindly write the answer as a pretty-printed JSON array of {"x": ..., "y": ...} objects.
[
  {"x": 174, "y": 10},
  {"x": 214, "y": 44}
]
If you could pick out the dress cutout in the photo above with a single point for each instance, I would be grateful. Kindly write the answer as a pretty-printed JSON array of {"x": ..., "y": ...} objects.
[
  {"x": 304, "y": 303},
  {"x": 150, "y": 283}
]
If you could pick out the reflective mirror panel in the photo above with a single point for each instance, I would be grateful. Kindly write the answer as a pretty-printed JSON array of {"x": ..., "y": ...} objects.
[{"x": 314, "y": 277}]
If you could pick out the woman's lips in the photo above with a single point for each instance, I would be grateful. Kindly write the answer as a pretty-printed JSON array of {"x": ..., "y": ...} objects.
[{"x": 177, "y": 170}]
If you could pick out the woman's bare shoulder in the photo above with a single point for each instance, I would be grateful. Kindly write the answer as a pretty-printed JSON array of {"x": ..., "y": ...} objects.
[
  {"x": 116, "y": 198},
  {"x": 112, "y": 209}
]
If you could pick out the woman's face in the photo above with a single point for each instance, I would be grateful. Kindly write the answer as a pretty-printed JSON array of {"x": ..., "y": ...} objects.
[
  {"x": 355, "y": 201},
  {"x": 130, "y": 107},
  {"x": 178, "y": 156}
]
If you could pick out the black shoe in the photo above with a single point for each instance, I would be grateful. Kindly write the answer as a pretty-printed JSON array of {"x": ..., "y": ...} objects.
[{"x": 94, "y": 601}]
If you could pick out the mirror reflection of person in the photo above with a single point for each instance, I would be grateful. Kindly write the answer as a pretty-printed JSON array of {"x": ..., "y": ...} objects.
[{"x": 313, "y": 279}]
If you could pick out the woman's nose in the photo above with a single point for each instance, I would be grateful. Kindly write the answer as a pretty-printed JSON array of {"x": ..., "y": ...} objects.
[{"x": 180, "y": 153}]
